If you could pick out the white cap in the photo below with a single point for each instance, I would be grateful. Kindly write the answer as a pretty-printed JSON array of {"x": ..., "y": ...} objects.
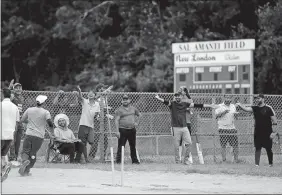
[{"x": 41, "y": 99}]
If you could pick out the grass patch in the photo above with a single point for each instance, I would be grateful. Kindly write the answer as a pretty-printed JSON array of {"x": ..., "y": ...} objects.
[{"x": 223, "y": 168}]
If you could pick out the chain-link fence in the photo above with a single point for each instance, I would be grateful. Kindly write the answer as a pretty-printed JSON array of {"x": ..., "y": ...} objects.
[{"x": 154, "y": 140}]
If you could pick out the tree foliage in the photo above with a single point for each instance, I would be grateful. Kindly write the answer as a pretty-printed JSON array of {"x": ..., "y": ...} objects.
[{"x": 62, "y": 43}]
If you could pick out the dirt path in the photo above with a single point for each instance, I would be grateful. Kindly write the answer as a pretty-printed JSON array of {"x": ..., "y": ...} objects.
[{"x": 74, "y": 181}]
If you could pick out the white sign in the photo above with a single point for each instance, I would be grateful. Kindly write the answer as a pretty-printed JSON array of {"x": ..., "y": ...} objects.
[
  {"x": 231, "y": 68},
  {"x": 216, "y": 69},
  {"x": 182, "y": 70},
  {"x": 200, "y": 70},
  {"x": 212, "y": 46},
  {"x": 212, "y": 58}
]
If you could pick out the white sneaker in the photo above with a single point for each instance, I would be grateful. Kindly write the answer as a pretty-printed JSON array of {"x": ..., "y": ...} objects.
[
  {"x": 190, "y": 159},
  {"x": 15, "y": 163}
]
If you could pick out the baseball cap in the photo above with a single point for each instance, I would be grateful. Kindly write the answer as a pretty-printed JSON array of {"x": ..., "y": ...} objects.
[
  {"x": 125, "y": 97},
  {"x": 99, "y": 86},
  {"x": 177, "y": 94},
  {"x": 16, "y": 84},
  {"x": 259, "y": 96},
  {"x": 41, "y": 99}
]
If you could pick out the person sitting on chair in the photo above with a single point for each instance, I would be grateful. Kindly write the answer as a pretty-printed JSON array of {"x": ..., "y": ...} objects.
[{"x": 65, "y": 141}]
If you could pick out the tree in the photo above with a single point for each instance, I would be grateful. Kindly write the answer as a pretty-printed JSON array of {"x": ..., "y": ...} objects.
[{"x": 269, "y": 52}]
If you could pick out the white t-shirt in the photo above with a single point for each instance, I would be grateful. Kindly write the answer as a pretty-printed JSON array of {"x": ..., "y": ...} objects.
[
  {"x": 10, "y": 115},
  {"x": 226, "y": 121},
  {"x": 88, "y": 113}
]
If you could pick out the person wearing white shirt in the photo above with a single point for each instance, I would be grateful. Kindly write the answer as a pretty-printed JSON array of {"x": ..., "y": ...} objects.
[
  {"x": 225, "y": 115},
  {"x": 10, "y": 117},
  {"x": 90, "y": 110}
]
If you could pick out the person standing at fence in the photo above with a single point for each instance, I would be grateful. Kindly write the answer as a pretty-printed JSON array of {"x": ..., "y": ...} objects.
[
  {"x": 100, "y": 88},
  {"x": 126, "y": 121},
  {"x": 18, "y": 99},
  {"x": 265, "y": 118},
  {"x": 90, "y": 110},
  {"x": 179, "y": 126},
  {"x": 187, "y": 98},
  {"x": 10, "y": 117},
  {"x": 225, "y": 115},
  {"x": 36, "y": 118}
]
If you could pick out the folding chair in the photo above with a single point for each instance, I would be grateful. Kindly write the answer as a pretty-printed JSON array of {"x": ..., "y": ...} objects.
[{"x": 53, "y": 155}]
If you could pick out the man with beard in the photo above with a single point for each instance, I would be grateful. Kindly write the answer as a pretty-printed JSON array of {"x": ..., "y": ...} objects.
[
  {"x": 18, "y": 99},
  {"x": 126, "y": 121},
  {"x": 225, "y": 116},
  {"x": 264, "y": 117},
  {"x": 65, "y": 140},
  {"x": 179, "y": 126},
  {"x": 90, "y": 110}
]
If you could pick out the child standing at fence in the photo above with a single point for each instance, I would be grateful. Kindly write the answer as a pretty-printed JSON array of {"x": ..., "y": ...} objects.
[{"x": 36, "y": 118}]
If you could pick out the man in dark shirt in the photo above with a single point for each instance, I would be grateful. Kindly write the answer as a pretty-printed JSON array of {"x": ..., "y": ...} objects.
[
  {"x": 18, "y": 99},
  {"x": 264, "y": 117},
  {"x": 179, "y": 126}
]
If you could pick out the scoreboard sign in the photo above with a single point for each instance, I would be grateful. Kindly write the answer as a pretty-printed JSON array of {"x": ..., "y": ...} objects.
[{"x": 214, "y": 66}]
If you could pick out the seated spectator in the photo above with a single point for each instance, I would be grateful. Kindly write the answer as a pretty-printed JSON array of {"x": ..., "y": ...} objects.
[{"x": 65, "y": 141}]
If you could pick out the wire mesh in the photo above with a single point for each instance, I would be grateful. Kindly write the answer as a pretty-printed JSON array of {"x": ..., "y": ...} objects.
[{"x": 154, "y": 141}]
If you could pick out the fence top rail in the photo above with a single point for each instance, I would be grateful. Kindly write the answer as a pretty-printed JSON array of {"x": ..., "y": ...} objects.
[{"x": 161, "y": 93}]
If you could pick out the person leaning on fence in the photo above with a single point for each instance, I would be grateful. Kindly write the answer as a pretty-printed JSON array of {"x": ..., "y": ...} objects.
[
  {"x": 265, "y": 118},
  {"x": 126, "y": 121},
  {"x": 225, "y": 115},
  {"x": 10, "y": 117},
  {"x": 36, "y": 118},
  {"x": 179, "y": 126},
  {"x": 90, "y": 110},
  {"x": 65, "y": 140},
  {"x": 18, "y": 99}
]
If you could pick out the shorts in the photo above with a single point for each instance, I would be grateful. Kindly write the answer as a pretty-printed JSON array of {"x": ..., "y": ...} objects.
[
  {"x": 5, "y": 146},
  {"x": 228, "y": 136},
  {"x": 86, "y": 134},
  {"x": 262, "y": 141},
  {"x": 181, "y": 134}
]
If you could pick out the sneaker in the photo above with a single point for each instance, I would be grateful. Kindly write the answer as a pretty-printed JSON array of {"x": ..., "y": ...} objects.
[
  {"x": 136, "y": 162},
  {"x": 5, "y": 172},
  {"x": 257, "y": 165},
  {"x": 26, "y": 174},
  {"x": 187, "y": 162},
  {"x": 23, "y": 167},
  {"x": 271, "y": 165},
  {"x": 16, "y": 163}
]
